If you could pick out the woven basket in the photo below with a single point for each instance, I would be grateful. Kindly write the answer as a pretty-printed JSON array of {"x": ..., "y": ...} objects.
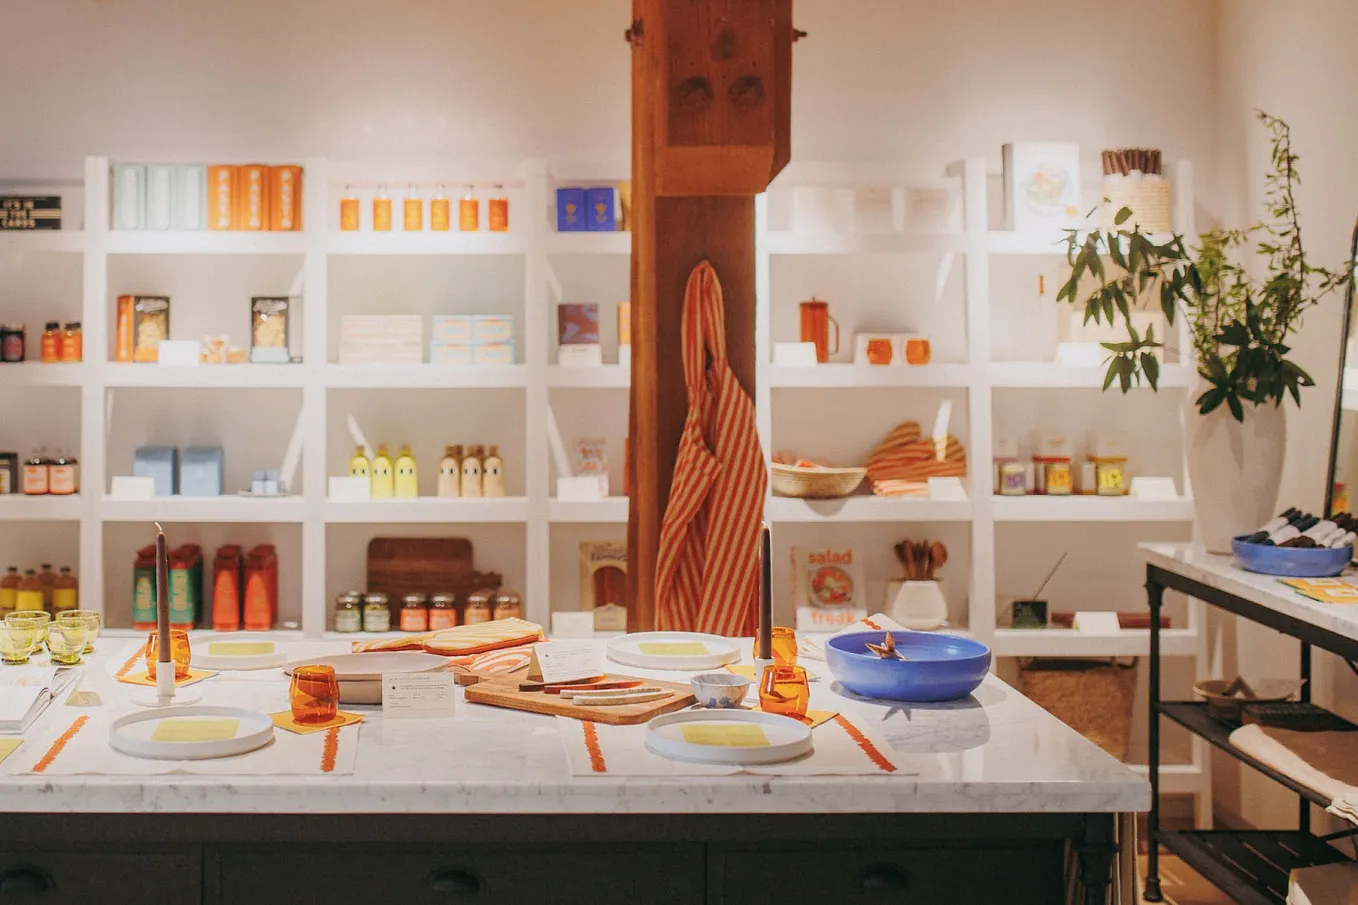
[
  {"x": 815, "y": 483},
  {"x": 1147, "y": 198},
  {"x": 1093, "y": 697}
]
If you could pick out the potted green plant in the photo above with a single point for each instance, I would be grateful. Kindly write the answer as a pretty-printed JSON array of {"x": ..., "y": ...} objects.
[{"x": 1239, "y": 326}]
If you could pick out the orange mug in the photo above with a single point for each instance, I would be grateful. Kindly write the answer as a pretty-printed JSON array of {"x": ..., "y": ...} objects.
[
  {"x": 816, "y": 321},
  {"x": 917, "y": 351}
]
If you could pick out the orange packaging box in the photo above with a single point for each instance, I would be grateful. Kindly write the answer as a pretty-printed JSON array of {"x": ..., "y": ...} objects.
[
  {"x": 285, "y": 198},
  {"x": 624, "y": 323},
  {"x": 252, "y": 201},
  {"x": 125, "y": 338},
  {"x": 222, "y": 191}
]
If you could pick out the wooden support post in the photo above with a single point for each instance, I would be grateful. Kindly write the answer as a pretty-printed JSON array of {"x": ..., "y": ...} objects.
[{"x": 711, "y": 116}]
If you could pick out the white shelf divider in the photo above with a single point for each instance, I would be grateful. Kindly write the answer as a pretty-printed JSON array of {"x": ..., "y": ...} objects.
[
  {"x": 206, "y": 242},
  {"x": 239, "y": 376},
  {"x": 866, "y": 509},
  {"x": 612, "y": 510},
  {"x": 424, "y": 376},
  {"x": 223, "y": 509},
  {"x": 1044, "y": 374},
  {"x": 1080, "y": 508},
  {"x": 427, "y": 511},
  {"x": 851, "y": 376},
  {"x": 19, "y": 507}
]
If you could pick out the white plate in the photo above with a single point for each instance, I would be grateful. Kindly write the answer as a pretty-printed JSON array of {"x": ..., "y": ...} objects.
[
  {"x": 717, "y": 651},
  {"x": 787, "y": 738},
  {"x": 204, "y": 658},
  {"x": 133, "y": 734},
  {"x": 360, "y": 675}
]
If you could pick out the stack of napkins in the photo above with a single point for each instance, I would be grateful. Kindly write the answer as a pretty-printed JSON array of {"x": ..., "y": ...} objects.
[{"x": 26, "y": 691}]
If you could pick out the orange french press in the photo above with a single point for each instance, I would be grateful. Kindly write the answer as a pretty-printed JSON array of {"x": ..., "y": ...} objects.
[{"x": 816, "y": 321}]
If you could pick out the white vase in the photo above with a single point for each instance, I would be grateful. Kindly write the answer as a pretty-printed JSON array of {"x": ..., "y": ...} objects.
[
  {"x": 917, "y": 605},
  {"x": 1235, "y": 468}
]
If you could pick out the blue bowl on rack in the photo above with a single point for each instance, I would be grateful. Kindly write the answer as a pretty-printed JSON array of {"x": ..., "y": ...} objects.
[
  {"x": 937, "y": 668},
  {"x": 1291, "y": 562}
]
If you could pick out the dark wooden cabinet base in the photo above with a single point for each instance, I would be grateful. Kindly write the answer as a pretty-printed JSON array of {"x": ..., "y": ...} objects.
[{"x": 924, "y": 859}]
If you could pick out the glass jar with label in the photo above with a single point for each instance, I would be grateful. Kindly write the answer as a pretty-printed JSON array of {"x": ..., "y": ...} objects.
[
  {"x": 1110, "y": 475},
  {"x": 414, "y": 613},
  {"x": 376, "y": 613},
  {"x": 35, "y": 474},
  {"x": 12, "y": 342},
  {"x": 349, "y": 612},
  {"x": 480, "y": 607},
  {"x": 1052, "y": 475},
  {"x": 508, "y": 605},
  {"x": 72, "y": 343},
  {"x": 442, "y": 612}
]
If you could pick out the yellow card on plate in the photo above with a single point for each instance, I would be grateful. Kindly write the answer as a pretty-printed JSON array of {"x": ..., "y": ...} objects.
[
  {"x": 240, "y": 648},
  {"x": 727, "y": 735},
  {"x": 283, "y": 720},
  {"x": 8, "y": 746},
  {"x": 195, "y": 730},
  {"x": 673, "y": 648}
]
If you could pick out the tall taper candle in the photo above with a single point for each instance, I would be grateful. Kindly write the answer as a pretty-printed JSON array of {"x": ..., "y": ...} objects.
[
  {"x": 765, "y": 636},
  {"x": 163, "y": 652}
]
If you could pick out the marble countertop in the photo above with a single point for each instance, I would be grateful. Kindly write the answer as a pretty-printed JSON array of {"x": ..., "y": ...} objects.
[
  {"x": 1221, "y": 572},
  {"x": 994, "y": 752}
]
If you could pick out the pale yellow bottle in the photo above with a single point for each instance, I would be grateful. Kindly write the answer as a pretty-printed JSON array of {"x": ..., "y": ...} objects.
[
  {"x": 413, "y": 212},
  {"x": 382, "y": 211},
  {"x": 471, "y": 473},
  {"x": 439, "y": 211},
  {"x": 359, "y": 466},
  {"x": 450, "y": 472},
  {"x": 493, "y": 473},
  {"x": 9, "y": 591},
  {"x": 407, "y": 481},
  {"x": 383, "y": 481}
]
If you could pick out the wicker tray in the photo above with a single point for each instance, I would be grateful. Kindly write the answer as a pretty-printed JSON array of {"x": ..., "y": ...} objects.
[{"x": 815, "y": 483}]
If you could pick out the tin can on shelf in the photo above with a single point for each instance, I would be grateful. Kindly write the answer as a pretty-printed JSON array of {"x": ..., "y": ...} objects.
[
  {"x": 349, "y": 612},
  {"x": 376, "y": 613},
  {"x": 442, "y": 612},
  {"x": 508, "y": 605},
  {"x": 414, "y": 613},
  {"x": 480, "y": 607}
]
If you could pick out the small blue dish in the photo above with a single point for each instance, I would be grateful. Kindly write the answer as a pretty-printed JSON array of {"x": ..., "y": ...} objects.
[
  {"x": 938, "y": 668},
  {"x": 1291, "y": 562},
  {"x": 720, "y": 690}
]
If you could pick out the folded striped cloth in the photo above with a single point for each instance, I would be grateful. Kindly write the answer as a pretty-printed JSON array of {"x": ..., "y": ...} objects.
[
  {"x": 905, "y": 461},
  {"x": 1326, "y": 762},
  {"x": 461, "y": 640}
]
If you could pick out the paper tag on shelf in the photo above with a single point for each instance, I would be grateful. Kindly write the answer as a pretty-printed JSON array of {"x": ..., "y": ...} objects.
[
  {"x": 179, "y": 353},
  {"x": 126, "y": 487},
  {"x": 565, "y": 661},
  {"x": 580, "y": 488},
  {"x": 576, "y": 624},
  {"x": 794, "y": 355},
  {"x": 1154, "y": 489},
  {"x": 810, "y": 619},
  {"x": 418, "y": 695},
  {"x": 1097, "y": 623},
  {"x": 947, "y": 490},
  {"x": 350, "y": 489}
]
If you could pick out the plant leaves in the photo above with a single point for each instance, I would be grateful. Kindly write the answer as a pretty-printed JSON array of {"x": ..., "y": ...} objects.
[
  {"x": 1150, "y": 366},
  {"x": 1122, "y": 216}
]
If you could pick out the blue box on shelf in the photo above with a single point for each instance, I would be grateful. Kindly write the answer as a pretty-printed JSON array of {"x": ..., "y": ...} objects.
[
  {"x": 160, "y": 464},
  {"x": 600, "y": 215},
  {"x": 200, "y": 471},
  {"x": 570, "y": 210}
]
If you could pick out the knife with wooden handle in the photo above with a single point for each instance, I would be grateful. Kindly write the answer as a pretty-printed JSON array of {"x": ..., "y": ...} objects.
[
  {"x": 637, "y": 688},
  {"x": 620, "y": 698}
]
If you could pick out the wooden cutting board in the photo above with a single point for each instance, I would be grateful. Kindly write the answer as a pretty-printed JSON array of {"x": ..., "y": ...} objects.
[
  {"x": 416, "y": 565},
  {"x": 500, "y": 694}
]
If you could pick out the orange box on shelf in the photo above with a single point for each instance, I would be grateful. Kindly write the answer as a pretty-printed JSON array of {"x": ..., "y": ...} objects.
[
  {"x": 222, "y": 192},
  {"x": 124, "y": 344},
  {"x": 252, "y": 201},
  {"x": 285, "y": 198}
]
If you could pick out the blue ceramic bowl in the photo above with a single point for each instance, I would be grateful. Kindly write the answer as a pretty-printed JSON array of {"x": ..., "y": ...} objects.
[
  {"x": 939, "y": 668},
  {"x": 1291, "y": 562}
]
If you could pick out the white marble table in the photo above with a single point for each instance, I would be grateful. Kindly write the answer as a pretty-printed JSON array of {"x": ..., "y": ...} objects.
[{"x": 995, "y": 752}]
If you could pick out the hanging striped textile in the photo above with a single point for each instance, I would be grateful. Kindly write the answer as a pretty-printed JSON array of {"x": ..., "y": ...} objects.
[{"x": 707, "y": 576}]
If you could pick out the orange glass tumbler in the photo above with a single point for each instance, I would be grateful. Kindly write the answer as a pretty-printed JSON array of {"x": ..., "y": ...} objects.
[
  {"x": 314, "y": 694},
  {"x": 917, "y": 350},
  {"x": 784, "y": 690},
  {"x": 180, "y": 653},
  {"x": 783, "y": 644}
]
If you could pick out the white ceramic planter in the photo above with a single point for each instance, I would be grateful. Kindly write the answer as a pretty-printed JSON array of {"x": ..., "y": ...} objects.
[
  {"x": 917, "y": 605},
  {"x": 1235, "y": 468}
]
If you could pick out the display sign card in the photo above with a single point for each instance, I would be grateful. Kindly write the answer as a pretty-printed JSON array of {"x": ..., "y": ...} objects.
[
  {"x": 419, "y": 695},
  {"x": 565, "y": 661}
]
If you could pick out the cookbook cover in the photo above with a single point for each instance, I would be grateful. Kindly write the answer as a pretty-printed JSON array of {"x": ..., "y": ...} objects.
[
  {"x": 1042, "y": 186},
  {"x": 828, "y": 578}
]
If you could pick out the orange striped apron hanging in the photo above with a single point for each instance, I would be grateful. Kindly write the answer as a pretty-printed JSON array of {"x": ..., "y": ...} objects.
[{"x": 707, "y": 576}]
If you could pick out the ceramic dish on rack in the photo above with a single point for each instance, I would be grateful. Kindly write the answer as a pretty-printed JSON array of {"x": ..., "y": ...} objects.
[
  {"x": 135, "y": 734},
  {"x": 730, "y": 737},
  {"x": 689, "y": 651},
  {"x": 237, "y": 650},
  {"x": 360, "y": 675}
]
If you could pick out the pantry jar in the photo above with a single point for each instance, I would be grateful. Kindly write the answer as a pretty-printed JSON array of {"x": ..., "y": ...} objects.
[
  {"x": 414, "y": 613},
  {"x": 349, "y": 612},
  {"x": 508, "y": 605},
  {"x": 442, "y": 612},
  {"x": 480, "y": 607},
  {"x": 376, "y": 613}
]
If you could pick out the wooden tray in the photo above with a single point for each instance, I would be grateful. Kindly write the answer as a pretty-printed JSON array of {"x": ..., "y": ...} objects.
[
  {"x": 501, "y": 694},
  {"x": 416, "y": 565}
]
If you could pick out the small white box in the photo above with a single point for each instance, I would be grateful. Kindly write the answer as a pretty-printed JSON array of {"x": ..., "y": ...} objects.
[
  {"x": 1097, "y": 623},
  {"x": 794, "y": 355},
  {"x": 451, "y": 328},
  {"x": 350, "y": 488},
  {"x": 583, "y": 355},
  {"x": 450, "y": 354},
  {"x": 127, "y": 487},
  {"x": 582, "y": 488},
  {"x": 493, "y": 354},
  {"x": 947, "y": 490},
  {"x": 1153, "y": 488},
  {"x": 190, "y": 198},
  {"x": 180, "y": 353},
  {"x": 129, "y": 196},
  {"x": 159, "y": 196},
  {"x": 573, "y": 624},
  {"x": 492, "y": 328}
]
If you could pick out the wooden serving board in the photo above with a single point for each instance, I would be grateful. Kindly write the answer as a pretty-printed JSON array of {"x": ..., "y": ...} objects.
[
  {"x": 416, "y": 565},
  {"x": 501, "y": 694}
]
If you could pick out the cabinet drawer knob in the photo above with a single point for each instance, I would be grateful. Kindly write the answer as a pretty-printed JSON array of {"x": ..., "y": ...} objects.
[
  {"x": 23, "y": 881},
  {"x": 884, "y": 877},
  {"x": 457, "y": 883}
]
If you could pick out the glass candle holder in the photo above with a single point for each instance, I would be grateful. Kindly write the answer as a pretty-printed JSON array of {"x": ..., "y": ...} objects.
[
  {"x": 66, "y": 641},
  {"x": 18, "y": 640},
  {"x": 784, "y": 690},
  {"x": 37, "y": 619},
  {"x": 180, "y": 653},
  {"x": 314, "y": 694},
  {"x": 782, "y": 643},
  {"x": 917, "y": 351},
  {"x": 90, "y": 618}
]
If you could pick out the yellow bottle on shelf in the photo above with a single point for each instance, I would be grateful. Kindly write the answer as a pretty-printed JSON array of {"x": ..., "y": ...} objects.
[
  {"x": 407, "y": 482},
  {"x": 360, "y": 467},
  {"x": 9, "y": 590},
  {"x": 493, "y": 473},
  {"x": 471, "y": 473},
  {"x": 469, "y": 212},
  {"x": 439, "y": 211},
  {"x": 382, "y": 211},
  {"x": 383, "y": 481},
  {"x": 30, "y": 595},
  {"x": 349, "y": 217},
  {"x": 498, "y": 210},
  {"x": 450, "y": 472},
  {"x": 413, "y": 212}
]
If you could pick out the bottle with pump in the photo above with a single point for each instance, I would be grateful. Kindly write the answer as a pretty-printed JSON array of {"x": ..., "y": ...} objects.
[
  {"x": 407, "y": 483},
  {"x": 439, "y": 218},
  {"x": 471, "y": 473},
  {"x": 383, "y": 481},
  {"x": 450, "y": 472},
  {"x": 413, "y": 212},
  {"x": 9, "y": 591},
  {"x": 498, "y": 210},
  {"x": 382, "y": 211},
  {"x": 469, "y": 212},
  {"x": 492, "y": 473},
  {"x": 51, "y": 342},
  {"x": 349, "y": 214}
]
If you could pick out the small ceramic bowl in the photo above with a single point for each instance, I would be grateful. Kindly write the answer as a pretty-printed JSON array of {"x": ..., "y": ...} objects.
[{"x": 720, "y": 689}]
